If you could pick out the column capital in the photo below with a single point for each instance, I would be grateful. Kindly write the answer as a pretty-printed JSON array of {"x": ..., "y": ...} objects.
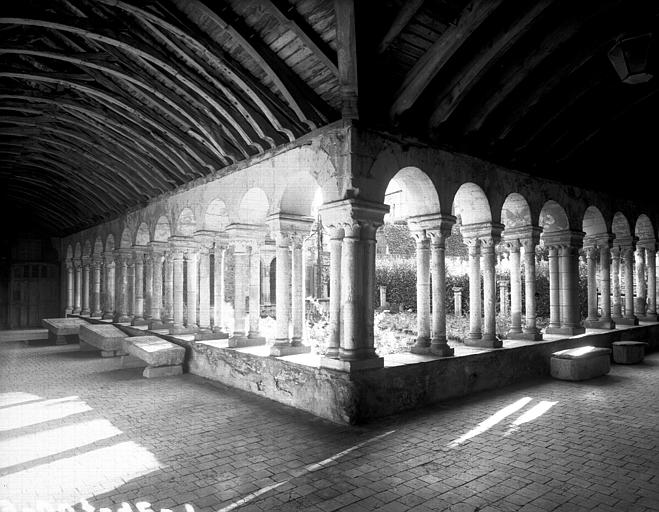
[
  {"x": 289, "y": 223},
  {"x": 485, "y": 231},
  {"x": 649, "y": 244},
  {"x": 604, "y": 240},
  {"x": 86, "y": 260},
  {"x": 157, "y": 247},
  {"x": 563, "y": 238},
  {"x": 435, "y": 224},
  {"x": 205, "y": 238},
  {"x": 246, "y": 234},
  {"x": 523, "y": 234},
  {"x": 139, "y": 250},
  {"x": 97, "y": 260},
  {"x": 69, "y": 264},
  {"x": 123, "y": 255},
  {"x": 627, "y": 241},
  {"x": 353, "y": 213}
]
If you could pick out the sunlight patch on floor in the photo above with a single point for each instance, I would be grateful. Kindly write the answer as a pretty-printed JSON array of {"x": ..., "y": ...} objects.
[{"x": 20, "y": 416}]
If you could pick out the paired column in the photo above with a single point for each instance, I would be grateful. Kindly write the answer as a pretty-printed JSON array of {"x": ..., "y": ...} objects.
[
  {"x": 488, "y": 261},
  {"x": 640, "y": 300},
  {"x": 218, "y": 287},
  {"x": 121, "y": 286},
  {"x": 241, "y": 254},
  {"x": 192, "y": 268},
  {"x": 359, "y": 221},
  {"x": 86, "y": 263},
  {"x": 109, "y": 292},
  {"x": 438, "y": 233},
  {"x": 297, "y": 290},
  {"x": 515, "y": 288},
  {"x": 554, "y": 291},
  {"x": 204, "y": 289},
  {"x": 650, "y": 252},
  {"x": 422, "y": 344},
  {"x": 605, "y": 321},
  {"x": 77, "y": 299},
  {"x": 599, "y": 248},
  {"x": 96, "y": 287},
  {"x": 475, "y": 334},
  {"x": 138, "y": 286},
  {"x": 591, "y": 263},
  {"x": 130, "y": 286},
  {"x": 627, "y": 263},
  {"x": 176, "y": 256},
  {"x": 616, "y": 305},
  {"x": 69, "y": 287},
  {"x": 167, "y": 314},
  {"x": 335, "y": 244},
  {"x": 282, "y": 293},
  {"x": 156, "y": 259}
]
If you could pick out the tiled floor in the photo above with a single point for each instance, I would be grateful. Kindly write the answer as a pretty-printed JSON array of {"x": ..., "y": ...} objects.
[{"x": 77, "y": 429}]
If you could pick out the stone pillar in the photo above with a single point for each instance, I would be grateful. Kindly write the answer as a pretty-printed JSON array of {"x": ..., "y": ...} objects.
[
  {"x": 488, "y": 261},
  {"x": 108, "y": 311},
  {"x": 640, "y": 301},
  {"x": 422, "y": 344},
  {"x": 530, "y": 331},
  {"x": 438, "y": 234},
  {"x": 148, "y": 287},
  {"x": 554, "y": 290},
  {"x": 130, "y": 286},
  {"x": 69, "y": 288},
  {"x": 167, "y": 315},
  {"x": 138, "y": 286},
  {"x": 218, "y": 287},
  {"x": 157, "y": 260},
  {"x": 360, "y": 221},
  {"x": 86, "y": 263},
  {"x": 204, "y": 289},
  {"x": 503, "y": 296},
  {"x": 176, "y": 256},
  {"x": 192, "y": 266},
  {"x": 283, "y": 290},
  {"x": 474, "y": 291},
  {"x": 96, "y": 287},
  {"x": 591, "y": 261},
  {"x": 627, "y": 257},
  {"x": 335, "y": 246},
  {"x": 77, "y": 299},
  {"x": 604, "y": 245},
  {"x": 255, "y": 294},
  {"x": 650, "y": 250},
  {"x": 515, "y": 289},
  {"x": 616, "y": 306},
  {"x": 457, "y": 300},
  {"x": 241, "y": 255},
  {"x": 121, "y": 287},
  {"x": 297, "y": 290}
]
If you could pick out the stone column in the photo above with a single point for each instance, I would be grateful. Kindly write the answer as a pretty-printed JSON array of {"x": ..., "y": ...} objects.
[
  {"x": 157, "y": 260},
  {"x": 335, "y": 245},
  {"x": 77, "y": 300},
  {"x": 121, "y": 287},
  {"x": 86, "y": 263},
  {"x": 255, "y": 294},
  {"x": 640, "y": 301},
  {"x": 515, "y": 289},
  {"x": 283, "y": 290},
  {"x": 616, "y": 306},
  {"x": 218, "y": 287},
  {"x": 138, "y": 287},
  {"x": 503, "y": 296},
  {"x": 457, "y": 300},
  {"x": 69, "y": 288},
  {"x": 148, "y": 287},
  {"x": 604, "y": 246},
  {"x": 651, "y": 315},
  {"x": 241, "y": 255},
  {"x": 192, "y": 267},
  {"x": 167, "y": 315},
  {"x": 108, "y": 312},
  {"x": 554, "y": 290},
  {"x": 297, "y": 290},
  {"x": 176, "y": 256},
  {"x": 438, "y": 235},
  {"x": 422, "y": 344},
  {"x": 130, "y": 287},
  {"x": 530, "y": 331},
  {"x": 474, "y": 291},
  {"x": 591, "y": 261},
  {"x": 488, "y": 260},
  {"x": 204, "y": 289},
  {"x": 627, "y": 256},
  {"x": 96, "y": 287},
  {"x": 360, "y": 221}
]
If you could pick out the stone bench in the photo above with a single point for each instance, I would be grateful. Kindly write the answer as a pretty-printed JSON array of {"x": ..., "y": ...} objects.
[
  {"x": 628, "y": 352},
  {"x": 63, "y": 330},
  {"x": 162, "y": 357},
  {"x": 104, "y": 337},
  {"x": 580, "y": 363}
]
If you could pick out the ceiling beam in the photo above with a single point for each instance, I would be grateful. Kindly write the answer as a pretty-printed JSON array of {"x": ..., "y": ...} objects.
[
  {"x": 407, "y": 11},
  {"x": 431, "y": 63}
]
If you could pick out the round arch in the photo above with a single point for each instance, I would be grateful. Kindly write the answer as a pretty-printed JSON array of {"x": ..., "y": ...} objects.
[
  {"x": 254, "y": 206},
  {"x": 109, "y": 243},
  {"x": 142, "y": 236},
  {"x": 126, "y": 239},
  {"x": 593, "y": 223},
  {"x": 471, "y": 205},
  {"x": 643, "y": 228},
  {"x": 516, "y": 212},
  {"x": 186, "y": 223},
  {"x": 411, "y": 192},
  {"x": 162, "y": 230},
  {"x": 217, "y": 216},
  {"x": 553, "y": 217}
]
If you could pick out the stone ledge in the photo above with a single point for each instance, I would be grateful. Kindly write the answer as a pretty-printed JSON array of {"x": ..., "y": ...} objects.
[{"x": 154, "y": 351}]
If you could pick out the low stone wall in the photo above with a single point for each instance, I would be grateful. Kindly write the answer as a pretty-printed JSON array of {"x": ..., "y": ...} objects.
[{"x": 364, "y": 396}]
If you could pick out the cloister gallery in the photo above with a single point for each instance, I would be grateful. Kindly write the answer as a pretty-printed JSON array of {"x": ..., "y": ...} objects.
[{"x": 149, "y": 143}]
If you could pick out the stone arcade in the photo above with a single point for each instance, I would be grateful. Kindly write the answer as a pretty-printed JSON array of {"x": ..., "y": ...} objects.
[{"x": 181, "y": 155}]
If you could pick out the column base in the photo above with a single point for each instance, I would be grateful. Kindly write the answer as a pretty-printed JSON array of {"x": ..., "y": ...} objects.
[
  {"x": 513, "y": 331},
  {"x": 156, "y": 324},
  {"x": 68, "y": 311},
  {"x": 121, "y": 319},
  {"x": 85, "y": 312},
  {"x": 350, "y": 366},
  {"x": 288, "y": 350},
  {"x": 441, "y": 349},
  {"x": 210, "y": 335},
  {"x": 566, "y": 331},
  {"x": 109, "y": 315},
  {"x": 534, "y": 335},
  {"x": 484, "y": 342},
  {"x": 75, "y": 311},
  {"x": 244, "y": 341},
  {"x": 180, "y": 330},
  {"x": 600, "y": 324},
  {"x": 139, "y": 321},
  {"x": 422, "y": 345},
  {"x": 96, "y": 314},
  {"x": 648, "y": 318},
  {"x": 626, "y": 321}
]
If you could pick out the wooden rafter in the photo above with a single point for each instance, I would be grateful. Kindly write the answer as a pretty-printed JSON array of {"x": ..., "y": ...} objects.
[{"x": 403, "y": 17}]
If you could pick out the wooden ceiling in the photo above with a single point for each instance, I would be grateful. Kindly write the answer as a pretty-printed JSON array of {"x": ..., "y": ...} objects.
[{"x": 105, "y": 104}]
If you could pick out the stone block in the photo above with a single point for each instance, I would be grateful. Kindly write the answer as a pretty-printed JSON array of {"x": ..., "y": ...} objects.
[
  {"x": 104, "y": 337},
  {"x": 151, "y": 372},
  {"x": 288, "y": 350},
  {"x": 580, "y": 363},
  {"x": 154, "y": 351},
  {"x": 628, "y": 352},
  {"x": 63, "y": 326}
]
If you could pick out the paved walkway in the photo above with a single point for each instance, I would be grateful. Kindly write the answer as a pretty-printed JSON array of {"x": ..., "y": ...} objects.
[{"x": 77, "y": 429}]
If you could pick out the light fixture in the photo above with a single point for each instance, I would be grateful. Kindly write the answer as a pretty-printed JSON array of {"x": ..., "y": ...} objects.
[{"x": 630, "y": 58}]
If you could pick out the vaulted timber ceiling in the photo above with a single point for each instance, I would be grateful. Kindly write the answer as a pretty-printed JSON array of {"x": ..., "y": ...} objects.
[{"x": 105, "y": 104}]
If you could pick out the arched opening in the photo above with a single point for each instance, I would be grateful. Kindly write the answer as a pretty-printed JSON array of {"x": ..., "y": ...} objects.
[
  {"x": 186, "y": 224},
  {"x": 254, "y": 207},
  {"x": 142, "y": 236},
  {"x": 162, "y": 230},
  {"x": 217, "y": 216}
]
